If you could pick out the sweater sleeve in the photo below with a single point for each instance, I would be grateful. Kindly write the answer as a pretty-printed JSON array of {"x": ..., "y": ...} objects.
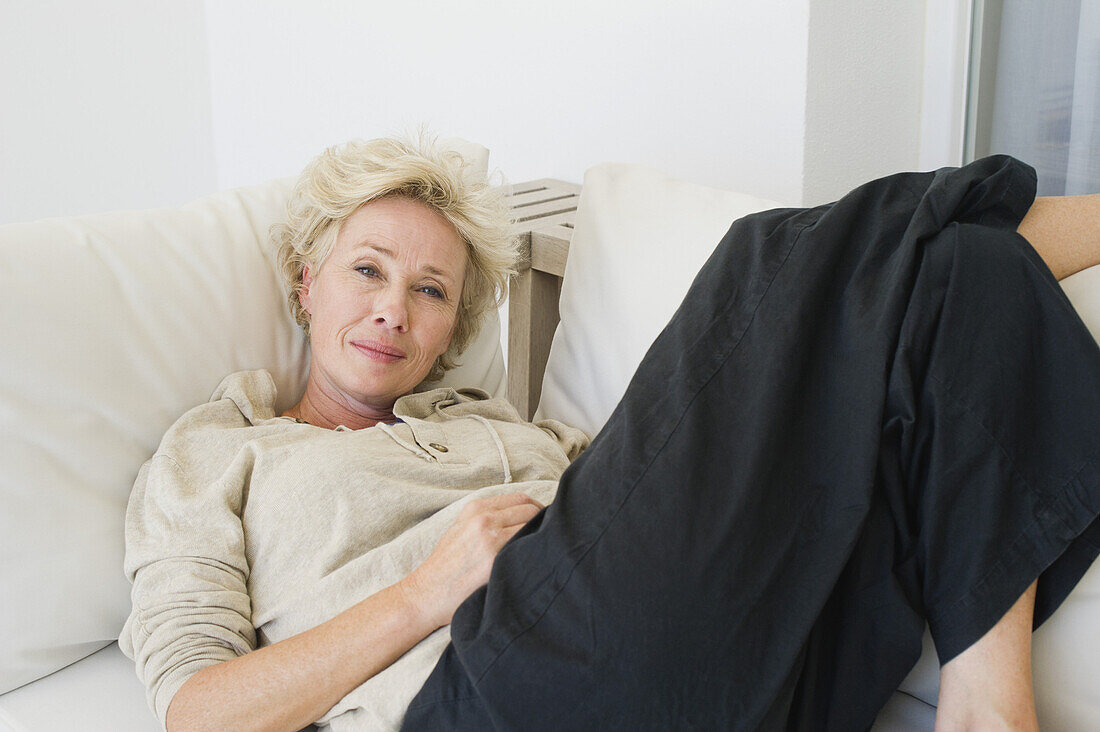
[{"x": 185, "y": 556}]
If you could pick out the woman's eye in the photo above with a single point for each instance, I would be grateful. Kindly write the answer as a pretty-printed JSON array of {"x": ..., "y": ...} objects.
[
  {"x": 367, "y": 270},
  {"x": 433, "y": 291}
]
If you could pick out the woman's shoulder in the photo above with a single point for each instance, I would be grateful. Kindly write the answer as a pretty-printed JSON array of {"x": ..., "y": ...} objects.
[
  {"x": 243, "y": 399},
  {"x": 251, "y": 392}
]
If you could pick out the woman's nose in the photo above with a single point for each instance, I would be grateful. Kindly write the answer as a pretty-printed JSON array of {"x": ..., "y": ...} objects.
[{"x": 391, "y": 309}]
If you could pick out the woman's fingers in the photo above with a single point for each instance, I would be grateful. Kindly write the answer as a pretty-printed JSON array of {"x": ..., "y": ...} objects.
[
  {"x": 503, "y": 501},
  {"x": 507, "y": 534},
  {"x": 491, "y": 517},
  {"x": 517, "y": 515}
]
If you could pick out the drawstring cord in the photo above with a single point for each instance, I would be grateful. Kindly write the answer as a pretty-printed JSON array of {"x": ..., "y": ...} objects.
[
  {"x": 500, "y": 446},
  {"x": 422, "y": 453},
  {"x": 414, "y": 449}
]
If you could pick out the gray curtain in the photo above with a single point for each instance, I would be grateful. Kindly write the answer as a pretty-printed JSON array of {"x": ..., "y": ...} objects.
[{"x": 1044, "y": 106}]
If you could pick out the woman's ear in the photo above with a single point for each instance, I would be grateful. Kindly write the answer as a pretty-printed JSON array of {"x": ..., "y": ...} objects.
[{"x": 303, "y": 290}]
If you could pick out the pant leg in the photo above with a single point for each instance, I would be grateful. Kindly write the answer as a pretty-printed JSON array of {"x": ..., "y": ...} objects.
[
  {"x": 989, "y": 471},
  {"x": 702, "y": 552}
]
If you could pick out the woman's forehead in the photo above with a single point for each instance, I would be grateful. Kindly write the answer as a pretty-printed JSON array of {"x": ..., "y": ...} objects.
[{"x": 404, "y": 230}]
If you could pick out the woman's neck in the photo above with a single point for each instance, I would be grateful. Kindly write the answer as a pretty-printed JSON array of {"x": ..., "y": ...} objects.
[{"x": 321, "y": 409}]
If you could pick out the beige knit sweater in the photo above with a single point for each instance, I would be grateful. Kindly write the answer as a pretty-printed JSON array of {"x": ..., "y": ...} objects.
[{"x": 246, "y": 528}]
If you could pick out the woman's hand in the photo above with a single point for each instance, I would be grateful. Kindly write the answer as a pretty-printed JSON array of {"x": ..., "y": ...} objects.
[{"x": 463, "y": 558}]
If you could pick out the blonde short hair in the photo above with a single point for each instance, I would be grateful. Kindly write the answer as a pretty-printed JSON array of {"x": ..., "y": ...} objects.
[{"x": 341, "y": 179}]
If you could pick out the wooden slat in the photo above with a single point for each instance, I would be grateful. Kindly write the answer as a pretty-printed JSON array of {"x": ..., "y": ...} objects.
[
  {"x": 551, "y": 184},
  {"x": 515, "y": 189},
  {"x": 548, "y": 208},
  {"x": 558, "y": 226},
  {"x": 549, "y": 250},
  {"x": 565, "y": 218},
  {"x": 521, "y": 200}
]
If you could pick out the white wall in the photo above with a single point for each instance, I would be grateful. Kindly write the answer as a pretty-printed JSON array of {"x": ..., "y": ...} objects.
[
  {"x": 711, "y": 90},
  {"x": 132, "y": 104},
  {"x": 102, "y": 106},
  {"x": 863, "y": 93}
]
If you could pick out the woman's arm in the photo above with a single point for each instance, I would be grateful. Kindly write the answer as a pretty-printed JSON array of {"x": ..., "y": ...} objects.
[
  {"x": 1065, "y": 231},
  {"x": 289, "y": 684}
]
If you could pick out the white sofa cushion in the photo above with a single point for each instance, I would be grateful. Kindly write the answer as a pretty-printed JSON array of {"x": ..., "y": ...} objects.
[
  {"x": 115, "y": 325},
  {"x": 99, "y": 693},
  {"x": 639, "y": 239}
]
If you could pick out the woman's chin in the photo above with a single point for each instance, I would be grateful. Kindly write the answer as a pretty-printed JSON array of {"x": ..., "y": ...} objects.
[
  {"x": 371, "y": 382},
  {"x": 379, "y": 386}
]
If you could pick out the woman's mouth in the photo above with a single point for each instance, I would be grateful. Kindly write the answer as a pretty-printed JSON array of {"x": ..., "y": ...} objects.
[{"x": 379, "y": 351}]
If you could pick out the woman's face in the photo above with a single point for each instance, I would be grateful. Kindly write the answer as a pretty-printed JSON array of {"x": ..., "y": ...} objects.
[{"x": 383, "y": 305}]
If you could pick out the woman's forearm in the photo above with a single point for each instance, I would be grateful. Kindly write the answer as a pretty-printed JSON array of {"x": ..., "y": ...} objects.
[{"x": 290, "y": 684}]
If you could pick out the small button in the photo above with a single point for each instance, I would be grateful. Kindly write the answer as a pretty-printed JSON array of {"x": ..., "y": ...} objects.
[{"x": 437, "y": 447}]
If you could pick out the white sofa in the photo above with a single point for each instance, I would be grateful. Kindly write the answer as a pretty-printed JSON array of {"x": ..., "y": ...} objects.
[{"x": 118, "y": 323}]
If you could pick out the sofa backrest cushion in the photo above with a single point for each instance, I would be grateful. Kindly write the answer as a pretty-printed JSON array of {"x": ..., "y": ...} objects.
[
  {"x": 115, "y": 325},
  {"x": 639, "y": 238}
]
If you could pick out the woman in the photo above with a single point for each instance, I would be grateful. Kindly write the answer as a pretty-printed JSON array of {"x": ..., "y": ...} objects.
[
  {"x": 392, "y": 254},
  {"x": 248, "y": 520}
]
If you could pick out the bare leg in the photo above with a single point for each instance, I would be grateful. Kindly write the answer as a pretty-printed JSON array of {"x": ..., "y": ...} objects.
[
  {"x": 1065, "y": 231},
  {"x": 988, "y": 686}
]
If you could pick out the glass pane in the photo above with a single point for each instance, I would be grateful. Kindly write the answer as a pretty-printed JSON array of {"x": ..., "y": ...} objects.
[{"x": 1045, "y": 106}]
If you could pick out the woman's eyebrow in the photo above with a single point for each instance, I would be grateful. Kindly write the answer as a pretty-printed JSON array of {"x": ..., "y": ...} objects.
[{"x": 427, "y": 268}]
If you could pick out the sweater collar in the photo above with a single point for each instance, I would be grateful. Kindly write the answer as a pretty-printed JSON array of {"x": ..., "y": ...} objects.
[{"x": 421, "y": 405}]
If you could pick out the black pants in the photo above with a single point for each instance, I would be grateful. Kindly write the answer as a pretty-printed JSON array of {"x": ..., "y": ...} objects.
[{"x": 862, "y": 416}]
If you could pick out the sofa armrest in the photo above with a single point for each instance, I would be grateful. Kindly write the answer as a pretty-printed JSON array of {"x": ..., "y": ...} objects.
[{"x": 544, "y": 211}]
